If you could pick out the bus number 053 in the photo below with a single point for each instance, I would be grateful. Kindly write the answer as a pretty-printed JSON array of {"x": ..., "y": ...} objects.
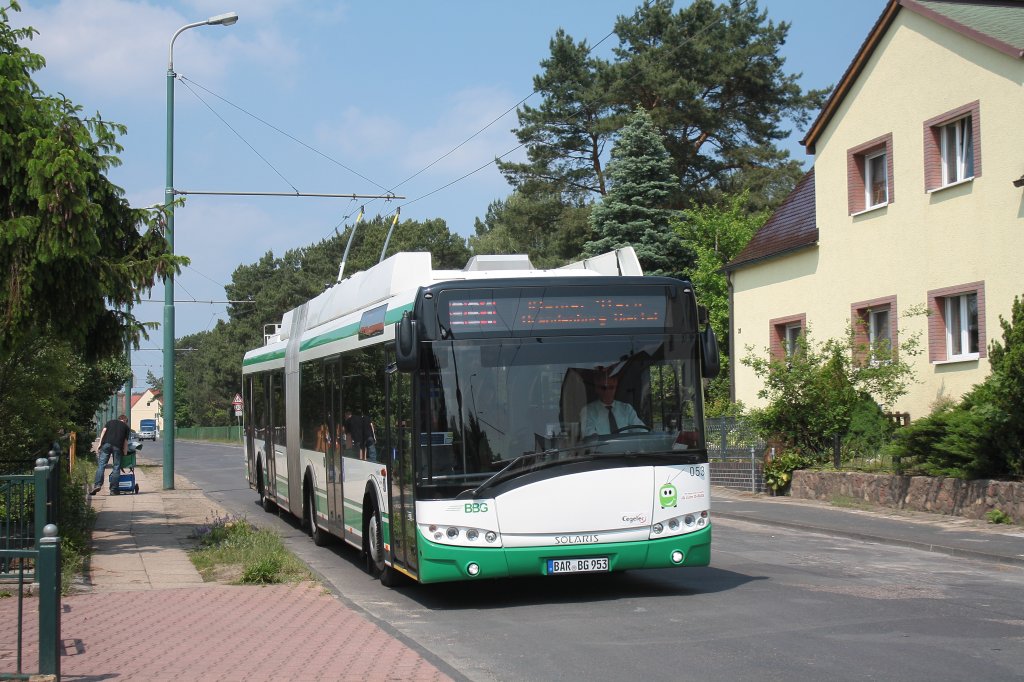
[{"x": 697, "y": 471}]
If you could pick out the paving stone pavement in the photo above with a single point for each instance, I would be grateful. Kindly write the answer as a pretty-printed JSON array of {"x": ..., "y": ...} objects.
[{"x": 145, "y": 613}]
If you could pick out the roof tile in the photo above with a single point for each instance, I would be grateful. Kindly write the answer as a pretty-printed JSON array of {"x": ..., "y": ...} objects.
[{"x": 791, "y": 227}]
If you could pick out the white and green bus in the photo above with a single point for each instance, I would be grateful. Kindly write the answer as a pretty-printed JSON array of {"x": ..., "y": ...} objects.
[{"x": 493, "y": 421}]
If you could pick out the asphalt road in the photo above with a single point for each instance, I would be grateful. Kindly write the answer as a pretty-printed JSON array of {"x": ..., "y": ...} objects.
[{"x": 775, "y": 604}]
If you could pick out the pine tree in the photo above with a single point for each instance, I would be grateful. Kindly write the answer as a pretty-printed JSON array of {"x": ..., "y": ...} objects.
[
  {"x": 73, "y": 255},
  {"x": 71, "y": 251},
  {"x": 635, "y": 212}
]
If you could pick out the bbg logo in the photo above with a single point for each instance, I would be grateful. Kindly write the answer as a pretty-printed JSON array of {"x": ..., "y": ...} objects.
[{"x": 475, "y": 507}]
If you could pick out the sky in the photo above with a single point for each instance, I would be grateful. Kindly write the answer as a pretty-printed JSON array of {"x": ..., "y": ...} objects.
[{"x": 335, "y": 97}]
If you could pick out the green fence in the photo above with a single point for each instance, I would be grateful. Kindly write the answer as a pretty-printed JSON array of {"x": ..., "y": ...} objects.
[
  {"x": 30, "y": 560},
  {"x": 232, "y": 434}
]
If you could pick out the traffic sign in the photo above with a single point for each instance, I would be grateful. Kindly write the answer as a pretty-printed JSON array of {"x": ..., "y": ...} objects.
[{"x": 237, "y": 404}]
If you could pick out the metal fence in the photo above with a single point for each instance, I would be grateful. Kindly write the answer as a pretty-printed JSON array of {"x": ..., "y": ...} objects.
[
  {"x": 736, "y": 454},
  {"x": 221, "y": 433},
  {"x": 30, "y": 559}
]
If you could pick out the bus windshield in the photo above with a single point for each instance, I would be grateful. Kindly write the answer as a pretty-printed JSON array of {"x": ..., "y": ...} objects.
[{"x": 485, "y": 404}]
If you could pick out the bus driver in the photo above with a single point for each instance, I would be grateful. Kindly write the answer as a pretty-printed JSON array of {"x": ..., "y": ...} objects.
[{"x": 606, "y": 415}]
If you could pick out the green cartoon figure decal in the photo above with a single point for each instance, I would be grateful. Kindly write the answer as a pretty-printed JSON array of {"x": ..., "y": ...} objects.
[{"x": 668, "y": 496}]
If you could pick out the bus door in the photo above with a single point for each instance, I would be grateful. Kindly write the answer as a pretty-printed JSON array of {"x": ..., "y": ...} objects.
[
  {"x": 335, "y": 497},
  {"x": 398, "y": 456},
  {"x": 258, "y": 434},
  {"x": 249, "y": 430},
  {"x": 277, "y": 454}
]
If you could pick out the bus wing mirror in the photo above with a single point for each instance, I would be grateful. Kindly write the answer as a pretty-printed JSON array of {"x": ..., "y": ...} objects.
[
  {"x": 702, "y": 314},
  {"x": 406, "y": 344},
  {"x": 710, "y": 363}
]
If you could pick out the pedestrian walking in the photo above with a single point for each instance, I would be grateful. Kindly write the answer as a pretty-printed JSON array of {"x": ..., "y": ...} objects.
[{"x": 113, "y": 443}]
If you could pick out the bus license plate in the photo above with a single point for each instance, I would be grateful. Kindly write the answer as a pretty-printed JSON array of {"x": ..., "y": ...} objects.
[{"x": 594, "y": 564}]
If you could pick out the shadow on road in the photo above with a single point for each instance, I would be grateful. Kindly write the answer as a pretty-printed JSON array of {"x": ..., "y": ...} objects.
[{"x": 507, "y": 592}]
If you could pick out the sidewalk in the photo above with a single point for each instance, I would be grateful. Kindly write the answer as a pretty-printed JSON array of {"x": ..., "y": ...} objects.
[
  {"x": 146, "y": 614},
  {"x": 952, "y": 535}
]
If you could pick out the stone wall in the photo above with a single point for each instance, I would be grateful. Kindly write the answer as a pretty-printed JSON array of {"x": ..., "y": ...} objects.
[{"x": 953, "y": 496}]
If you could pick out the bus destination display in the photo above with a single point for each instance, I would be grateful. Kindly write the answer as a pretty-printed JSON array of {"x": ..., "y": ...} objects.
[{"x": 532, "y": 313}]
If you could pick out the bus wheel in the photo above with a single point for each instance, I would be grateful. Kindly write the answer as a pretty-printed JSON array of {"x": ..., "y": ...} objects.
[
  {"x": 265, "y": 501},
  {"x": 318, "y": 534},
  {"x": 388, "y": 576}
]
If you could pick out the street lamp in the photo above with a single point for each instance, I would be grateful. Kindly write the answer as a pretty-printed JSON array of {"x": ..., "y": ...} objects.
[{"x": 168, "y": 406}]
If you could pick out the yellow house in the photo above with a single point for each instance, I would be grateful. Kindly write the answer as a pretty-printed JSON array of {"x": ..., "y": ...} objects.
[
  {"x": 146, "y": 405},
  {"x": 915, "y": 203}
]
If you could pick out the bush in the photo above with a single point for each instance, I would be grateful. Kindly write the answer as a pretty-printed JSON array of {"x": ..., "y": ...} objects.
[
  {"x": 870, "y": 430},
  {"x": 998, "y": 516},
  {"x": 983, "y": 435},
  {"x": 821, "y": 388},
  {"x": 778, "y": 472}
]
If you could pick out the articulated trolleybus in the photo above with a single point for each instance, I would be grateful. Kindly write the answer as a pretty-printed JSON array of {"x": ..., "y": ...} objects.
[{"x": 493, "y": 421}]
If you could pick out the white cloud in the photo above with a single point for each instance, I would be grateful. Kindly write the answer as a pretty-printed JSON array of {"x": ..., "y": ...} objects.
[
  {"x": 120, "y": 48},
  {"x": 369, "y": 140},
  {"x": 470, "y": 112},
  {"x": 361, "y": 134}
]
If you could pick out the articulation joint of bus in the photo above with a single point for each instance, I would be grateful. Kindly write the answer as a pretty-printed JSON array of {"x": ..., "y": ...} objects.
[{"x": 490, "y": 422}]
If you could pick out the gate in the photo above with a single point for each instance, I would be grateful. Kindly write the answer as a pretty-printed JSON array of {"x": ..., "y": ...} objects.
[
  {"x": 30, "y": 561},
  {"x": 735, "y": 454}
]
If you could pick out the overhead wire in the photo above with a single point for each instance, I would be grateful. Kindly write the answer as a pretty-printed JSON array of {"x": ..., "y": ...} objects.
[
  {"x": 448, "y": 153},
  {"x": 240, "y": 137},
  {"x": 286, "y": 134}
]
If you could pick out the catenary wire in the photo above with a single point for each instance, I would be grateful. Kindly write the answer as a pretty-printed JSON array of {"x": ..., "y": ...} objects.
[{"x": 239, "y": 135}]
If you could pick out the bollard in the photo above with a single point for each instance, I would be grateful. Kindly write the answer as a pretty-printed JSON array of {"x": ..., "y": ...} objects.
[
  {"x": 48, "y": 575},
  {"x": 42, "y": 481},
  {"x": 53, "y": 515},
  {"x": 753, "y": 471}
]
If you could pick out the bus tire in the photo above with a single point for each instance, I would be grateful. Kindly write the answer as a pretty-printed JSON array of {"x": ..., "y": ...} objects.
[
  {"x": 261, "y": 486},
  {"x": 318, "y": 534},
  {"x": 375, "y": 539}
]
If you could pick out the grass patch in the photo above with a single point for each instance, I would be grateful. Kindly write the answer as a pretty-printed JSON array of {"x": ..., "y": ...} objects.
[
  {"x": 230, "y": 549},
  {"x": 998, "y": 516},
  {"x": 77, "y": 518}
]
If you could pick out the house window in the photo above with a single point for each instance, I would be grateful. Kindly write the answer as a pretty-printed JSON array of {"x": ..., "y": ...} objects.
[
  {"x": 869, "y": 175},
  {"x": 956, "y": 326},
  {"x": 874, "y": 328},
  {"x": 876, "y": 184},
  {"x": 793, "y": 332},
  {"x": 878, "y": 326},
  {"x": 961, "y": 326},
  {"x": 957, "y": 151},
  {"x": 784, "y": 333},
  {"x": 952, "y": 151}
]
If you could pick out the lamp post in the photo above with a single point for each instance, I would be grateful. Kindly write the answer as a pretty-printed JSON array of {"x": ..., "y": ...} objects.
[{"x": 168, "y": 406}]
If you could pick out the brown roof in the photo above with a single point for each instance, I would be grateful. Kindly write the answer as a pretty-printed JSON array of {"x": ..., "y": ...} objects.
[
  {"x": 996, "y": 23},
  {"x": 791, "y": 227}
]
